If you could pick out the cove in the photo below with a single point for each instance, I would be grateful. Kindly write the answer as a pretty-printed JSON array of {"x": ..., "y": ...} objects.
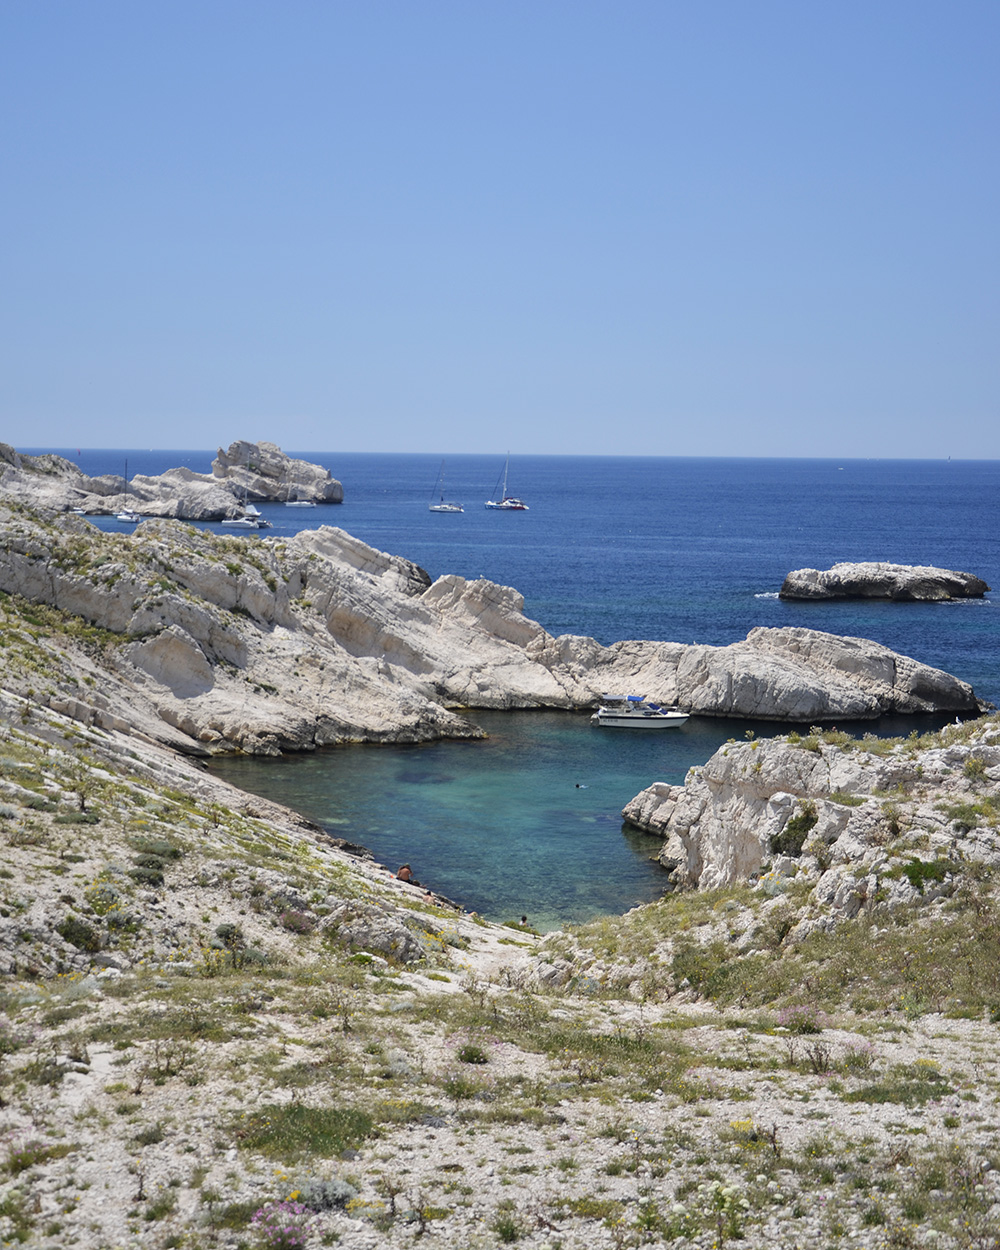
[{"x": 527, "y": 822}]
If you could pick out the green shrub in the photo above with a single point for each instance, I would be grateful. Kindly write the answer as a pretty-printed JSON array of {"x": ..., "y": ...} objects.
[
  {"x": 150, "y": 1135},
  {"x": 974, "y": 770},
  {"x": 969, "y": 816},
  {"x": 906, "y": 1090},
  {"x": 919, "y": 871},
  {"x": 147, "y": 860},
  {"x": 79, "y": 934},
  {"x": 26, "y": 1152},
  {"x": 297, "y": 922},
  {"x": 792, "y": 838},
  {"x": 845, "y": 799},
  {"x": 159, "y": 847}
]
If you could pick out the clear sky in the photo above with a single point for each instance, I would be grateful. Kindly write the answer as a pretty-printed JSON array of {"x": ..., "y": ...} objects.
[{"x": 709, "y": 227}]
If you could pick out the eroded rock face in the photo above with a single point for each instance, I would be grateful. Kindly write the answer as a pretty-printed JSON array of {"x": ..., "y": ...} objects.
[
  {"x": 264, "y": 472},
  {"x": 816, "y": 810},
  {"x": 232, "y": 642},
  {"x": 374, "y": 927},
  {"x": 774, "y": 674},
  {"x": 876, "y": 580},
  {"x": 247, "y": 472}
]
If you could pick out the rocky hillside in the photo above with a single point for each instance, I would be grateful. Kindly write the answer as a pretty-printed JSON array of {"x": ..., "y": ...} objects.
[
  {"x": 219, "y": 1029},
  {"x": 209, "y": 642}
]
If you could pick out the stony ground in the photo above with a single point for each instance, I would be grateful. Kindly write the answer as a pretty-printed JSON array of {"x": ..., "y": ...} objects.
[
  {"x": 210, "y": 1012},
  {"x": 166, "y": 1111},
  {"x": 218, "y": 1028}
]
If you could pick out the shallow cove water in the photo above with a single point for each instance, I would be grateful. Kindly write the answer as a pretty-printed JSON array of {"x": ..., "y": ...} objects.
[{"x": 526, "y": 823}]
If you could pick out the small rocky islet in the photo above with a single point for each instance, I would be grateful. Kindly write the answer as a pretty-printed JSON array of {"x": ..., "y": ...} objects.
[
  {"x": 216, "y": 1023},
  {"x": 901, "y": 583}
]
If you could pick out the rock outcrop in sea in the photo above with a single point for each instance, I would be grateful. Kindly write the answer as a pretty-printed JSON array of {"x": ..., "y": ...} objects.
[
  {"x": 217, "y": 642},
  {"x": 877, "y": 580},
  {"x": 245, "y": 473}
]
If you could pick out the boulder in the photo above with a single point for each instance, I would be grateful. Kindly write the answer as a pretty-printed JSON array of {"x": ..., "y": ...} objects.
[
  {"x": 789, "y": 674},
  {"x": 376, "y": 928},
  {"x": 876, "y": 580}
]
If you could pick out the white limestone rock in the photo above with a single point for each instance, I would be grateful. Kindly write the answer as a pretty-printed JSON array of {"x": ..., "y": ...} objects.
[
  {"x": 878, "y": 580},
  {"x": 233, "y": 642},
  {"x": 791, "y": 674},
  {"x": 265, "y": 473},
  {"x": 248, "y": 472},
  {"x": 725, "y": 824}
]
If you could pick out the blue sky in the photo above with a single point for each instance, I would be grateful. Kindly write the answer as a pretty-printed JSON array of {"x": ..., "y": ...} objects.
[{"x": 717, "y": 227}]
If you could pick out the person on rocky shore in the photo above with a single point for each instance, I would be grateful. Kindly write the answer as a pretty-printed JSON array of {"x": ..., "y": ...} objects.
[{"x": 406, "y": 874}]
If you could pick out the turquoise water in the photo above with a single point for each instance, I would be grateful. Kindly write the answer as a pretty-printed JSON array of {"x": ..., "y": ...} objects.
[{"x": 527, "y": 822}]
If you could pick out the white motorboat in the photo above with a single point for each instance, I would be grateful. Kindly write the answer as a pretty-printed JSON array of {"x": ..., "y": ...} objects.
[
  {"x": 442, "y": 505},
  {"x": 631, "y": 711},
  {"x": 505, "y": 502}
]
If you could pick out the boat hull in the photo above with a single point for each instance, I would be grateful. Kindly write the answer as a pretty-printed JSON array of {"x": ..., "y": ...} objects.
[
  {"x": 631, "y": 711},
  {"x": 666, "y": 720}
]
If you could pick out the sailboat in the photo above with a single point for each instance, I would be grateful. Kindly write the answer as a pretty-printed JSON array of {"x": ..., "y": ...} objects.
[
  {"x": 127, "y": 514},
  {"x": 439, "y": 490},
  {"x": 249, "y": 518},
  {"x": 506, "y": 503}
]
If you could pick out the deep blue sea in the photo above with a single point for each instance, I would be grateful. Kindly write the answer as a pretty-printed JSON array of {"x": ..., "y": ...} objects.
[{"x": 692, "y": 550}]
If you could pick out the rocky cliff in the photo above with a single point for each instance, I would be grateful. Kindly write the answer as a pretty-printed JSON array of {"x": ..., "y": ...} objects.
[
  {"x": 221, "y": 642},
  {"x": 247, "y": 472},
  {"x": 850, "y": 823},
  {"x": 875, "y": 580}
]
